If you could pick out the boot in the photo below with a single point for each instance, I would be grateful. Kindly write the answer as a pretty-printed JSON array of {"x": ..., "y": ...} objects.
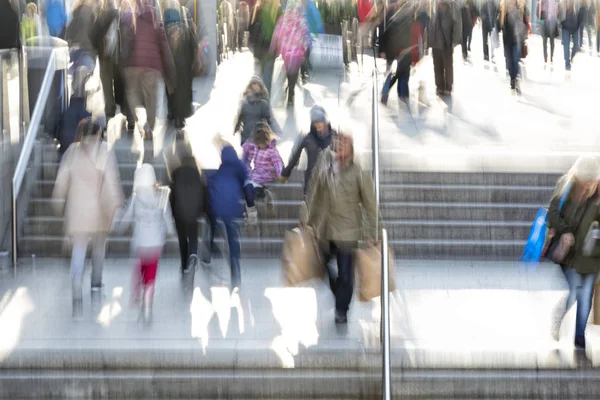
[
  {"x": 236, "y": 278},
  {"x": 147, "y": 305},
  {"x": 97, "y": 297},
  {"x": 77, "y": 309}
]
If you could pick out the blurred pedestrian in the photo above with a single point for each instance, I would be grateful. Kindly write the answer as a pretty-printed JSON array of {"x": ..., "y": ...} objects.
[
  {"x": 572, "y": 224},
  {"x": 291, "y": 41},
  {"x": 585, "y": 22},
  {"x": 105, "y": 39},
  {"x": 489, "y": 16},
  {"x": 255, "y": 107},
  {"x": 88, "y": 188},
  {"x": 56, "y": 17},
  {"x": 514, "y": 24},
  {"x": 403, "y": 40},
  {"x": 183, "y": 45},
  {"x": 30, "y": 23},
  {"x": 243, "y": 23},
  {"x": 10, "y": 37},
  {"x": 570, "y": 23},
  {"x": 227, "y": 190},
  {"x": 339, "y": 192},
  {"x": 319, "y": 137},
  {"x": 149, "y": 211},
  {"x": 149, "y": 69},
  {"x": 263, "y": 163},
  {"x": 81, "y": 50},
  {"x": 189, "y": 201},
  {"x": 264, "y": 17},
  {"x": 548, "y": 15},
  {"x": 469, "y": 16},
  {"x": 445, "y": 32}
]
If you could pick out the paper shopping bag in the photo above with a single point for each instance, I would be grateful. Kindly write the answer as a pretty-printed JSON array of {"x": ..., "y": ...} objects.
[
  {"x": 368, "y": 266},
  {"x": 301, "y": 260},
  {"x": 596, "y": 304}
]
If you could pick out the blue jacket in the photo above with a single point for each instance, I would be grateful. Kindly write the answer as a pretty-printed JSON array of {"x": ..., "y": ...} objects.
[
  {"x": 226, "y": 187},
  {"x": 56, "y": 16}
]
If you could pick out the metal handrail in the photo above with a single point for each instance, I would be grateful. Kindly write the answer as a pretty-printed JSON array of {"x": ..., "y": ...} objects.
[
  {"x": 32, "y": 131},
  {"x": 385, "y": 279}
]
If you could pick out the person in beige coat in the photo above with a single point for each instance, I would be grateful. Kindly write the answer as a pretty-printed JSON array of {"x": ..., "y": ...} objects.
[
  {"x": 88, "y": 188},
  {"x": 339, "y": 193}
]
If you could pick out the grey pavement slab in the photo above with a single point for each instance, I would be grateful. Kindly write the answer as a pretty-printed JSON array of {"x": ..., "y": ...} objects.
[{"x": 444, "y": 314}]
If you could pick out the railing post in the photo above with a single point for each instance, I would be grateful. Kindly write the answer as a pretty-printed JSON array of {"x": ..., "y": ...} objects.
[
  {"x": 375, "y": 138},
  {"x": 385, "y": 316}
]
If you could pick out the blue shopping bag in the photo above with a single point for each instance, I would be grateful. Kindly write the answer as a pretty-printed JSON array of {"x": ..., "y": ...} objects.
[{"x": 534, "y": 248}]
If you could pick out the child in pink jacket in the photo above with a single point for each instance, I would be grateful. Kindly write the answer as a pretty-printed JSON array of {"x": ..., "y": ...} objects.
[{"x": 263, "y": 162}]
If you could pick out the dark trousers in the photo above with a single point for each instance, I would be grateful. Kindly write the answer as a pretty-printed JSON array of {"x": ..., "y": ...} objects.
[
  {"x": 233, "y": 241},
  {"x": 187, "y": 233},
  {"x": 113, "y": 89},
  {"x": 486, "y": 45},
  {"x": 342, "y": 284},
  {"x": 588, "y": 28},
  {"x": 598, "y": 39},
  {"x": 444, "y": 69},
  {"x": 267, "y": 65},
  {"x": 466, "y": 42},
  {"x": 292, "y": 79},
  {"x": 548, "y": 33}
]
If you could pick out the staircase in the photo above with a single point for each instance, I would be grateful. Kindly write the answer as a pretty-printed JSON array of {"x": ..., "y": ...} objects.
[{"x": 429, "y": 215}]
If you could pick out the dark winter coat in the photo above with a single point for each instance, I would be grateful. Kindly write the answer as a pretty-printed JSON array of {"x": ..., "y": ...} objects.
[
  {"x": 576, "y": 219},
  {"x": 98, "y": 33},
  {"x": 182, "y": 42},
  {"x": 489, "y": 15},
  {"x": 312, "y": 144},
  {"x": 402, "y": 40},
  {"x": 189, "y": 195},
  {"x": 10, "y": 33},
  {"x": 80, "y": 29},
  {"x": 225, "y": 187},
  {"x": 254, "y": 109},
  {"x": 445, "y": 26}
]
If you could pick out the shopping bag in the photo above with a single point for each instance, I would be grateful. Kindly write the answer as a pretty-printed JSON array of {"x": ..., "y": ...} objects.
[
  {"x": 278, "y": 90},
  {"x": 541, "y": 240},
  {"x": 300, "y": 259},
  {"x": 368, "y": 267},
  {"x": 596, "y": 304},
  {"x": 495, "y": 39}
]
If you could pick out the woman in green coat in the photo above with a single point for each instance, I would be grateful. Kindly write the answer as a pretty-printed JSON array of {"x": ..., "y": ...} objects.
[
  {"x": 572, "y": 223},
  {"x": 339, "y": 192}
]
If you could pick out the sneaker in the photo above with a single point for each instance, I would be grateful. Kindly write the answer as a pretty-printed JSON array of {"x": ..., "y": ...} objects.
[
  {"x": 270, "y": 201},
  {"x": 580, "y": 342},
  {"x": 191, "y": 264},
  {"x": 341, "y": 317}
]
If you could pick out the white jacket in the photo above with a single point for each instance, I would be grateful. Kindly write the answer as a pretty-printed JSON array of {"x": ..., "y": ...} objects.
[{"x": 149, "y": 211}]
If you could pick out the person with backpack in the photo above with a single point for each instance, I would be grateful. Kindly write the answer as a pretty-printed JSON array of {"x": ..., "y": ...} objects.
[
  {"x": 254, "y": 108},
  {"x": 149, "y": 211},
  {"x": 88, "y": 193},
  {"x": 227, "y": 189},
  {"x": 444, "y": 33},
  {"x": 189, "y": 200},
  {"x": 571, "y": 223}
]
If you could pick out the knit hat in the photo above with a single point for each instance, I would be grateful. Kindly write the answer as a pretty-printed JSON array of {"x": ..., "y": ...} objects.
[
  {"x": 586, "y": 169},
  {"x": 144, "y": 177},
  {"x": 318, "y": 114}
]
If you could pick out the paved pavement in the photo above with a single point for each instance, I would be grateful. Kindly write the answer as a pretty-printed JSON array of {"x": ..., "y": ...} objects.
[{"x": 444, "y": 314}]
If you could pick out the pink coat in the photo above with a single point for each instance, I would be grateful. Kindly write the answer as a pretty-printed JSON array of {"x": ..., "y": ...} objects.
[
  {"x": 263, "y": 166},
  {"x": 290, "y": 38}
]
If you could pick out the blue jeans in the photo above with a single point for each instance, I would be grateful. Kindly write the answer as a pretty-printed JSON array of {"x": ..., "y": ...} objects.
[
  {"x": 566, "y": 41},
  {"x": 267, "y": 68},
  {"x": 233, "y": 241},
  {"x": 512, "y": 61},
  {"x": 581, "y": 288}
]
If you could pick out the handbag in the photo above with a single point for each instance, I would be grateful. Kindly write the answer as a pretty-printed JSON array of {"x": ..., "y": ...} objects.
[
  {"x": 540, "y": 237},
  {"x": 368, "y": 266},
  {"x": 524, "y": 50}
]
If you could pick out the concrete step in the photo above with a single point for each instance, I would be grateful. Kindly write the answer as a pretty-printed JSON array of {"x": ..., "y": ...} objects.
[
  {"x": 321, "y": 384},
  {"x": 437, "y": 211},
  {"x": 254, "y": 246},
  {"x": 397, "y": 229},
  {"x": 285, "y": 192},
  {"x": 127, "y": 165}
]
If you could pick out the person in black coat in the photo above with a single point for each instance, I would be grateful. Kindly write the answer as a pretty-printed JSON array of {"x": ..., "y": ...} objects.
[
  {"x": 188, "y": 202},
  {"x": 488, "y": 15},
  {"x": 10, "y": 27}
]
